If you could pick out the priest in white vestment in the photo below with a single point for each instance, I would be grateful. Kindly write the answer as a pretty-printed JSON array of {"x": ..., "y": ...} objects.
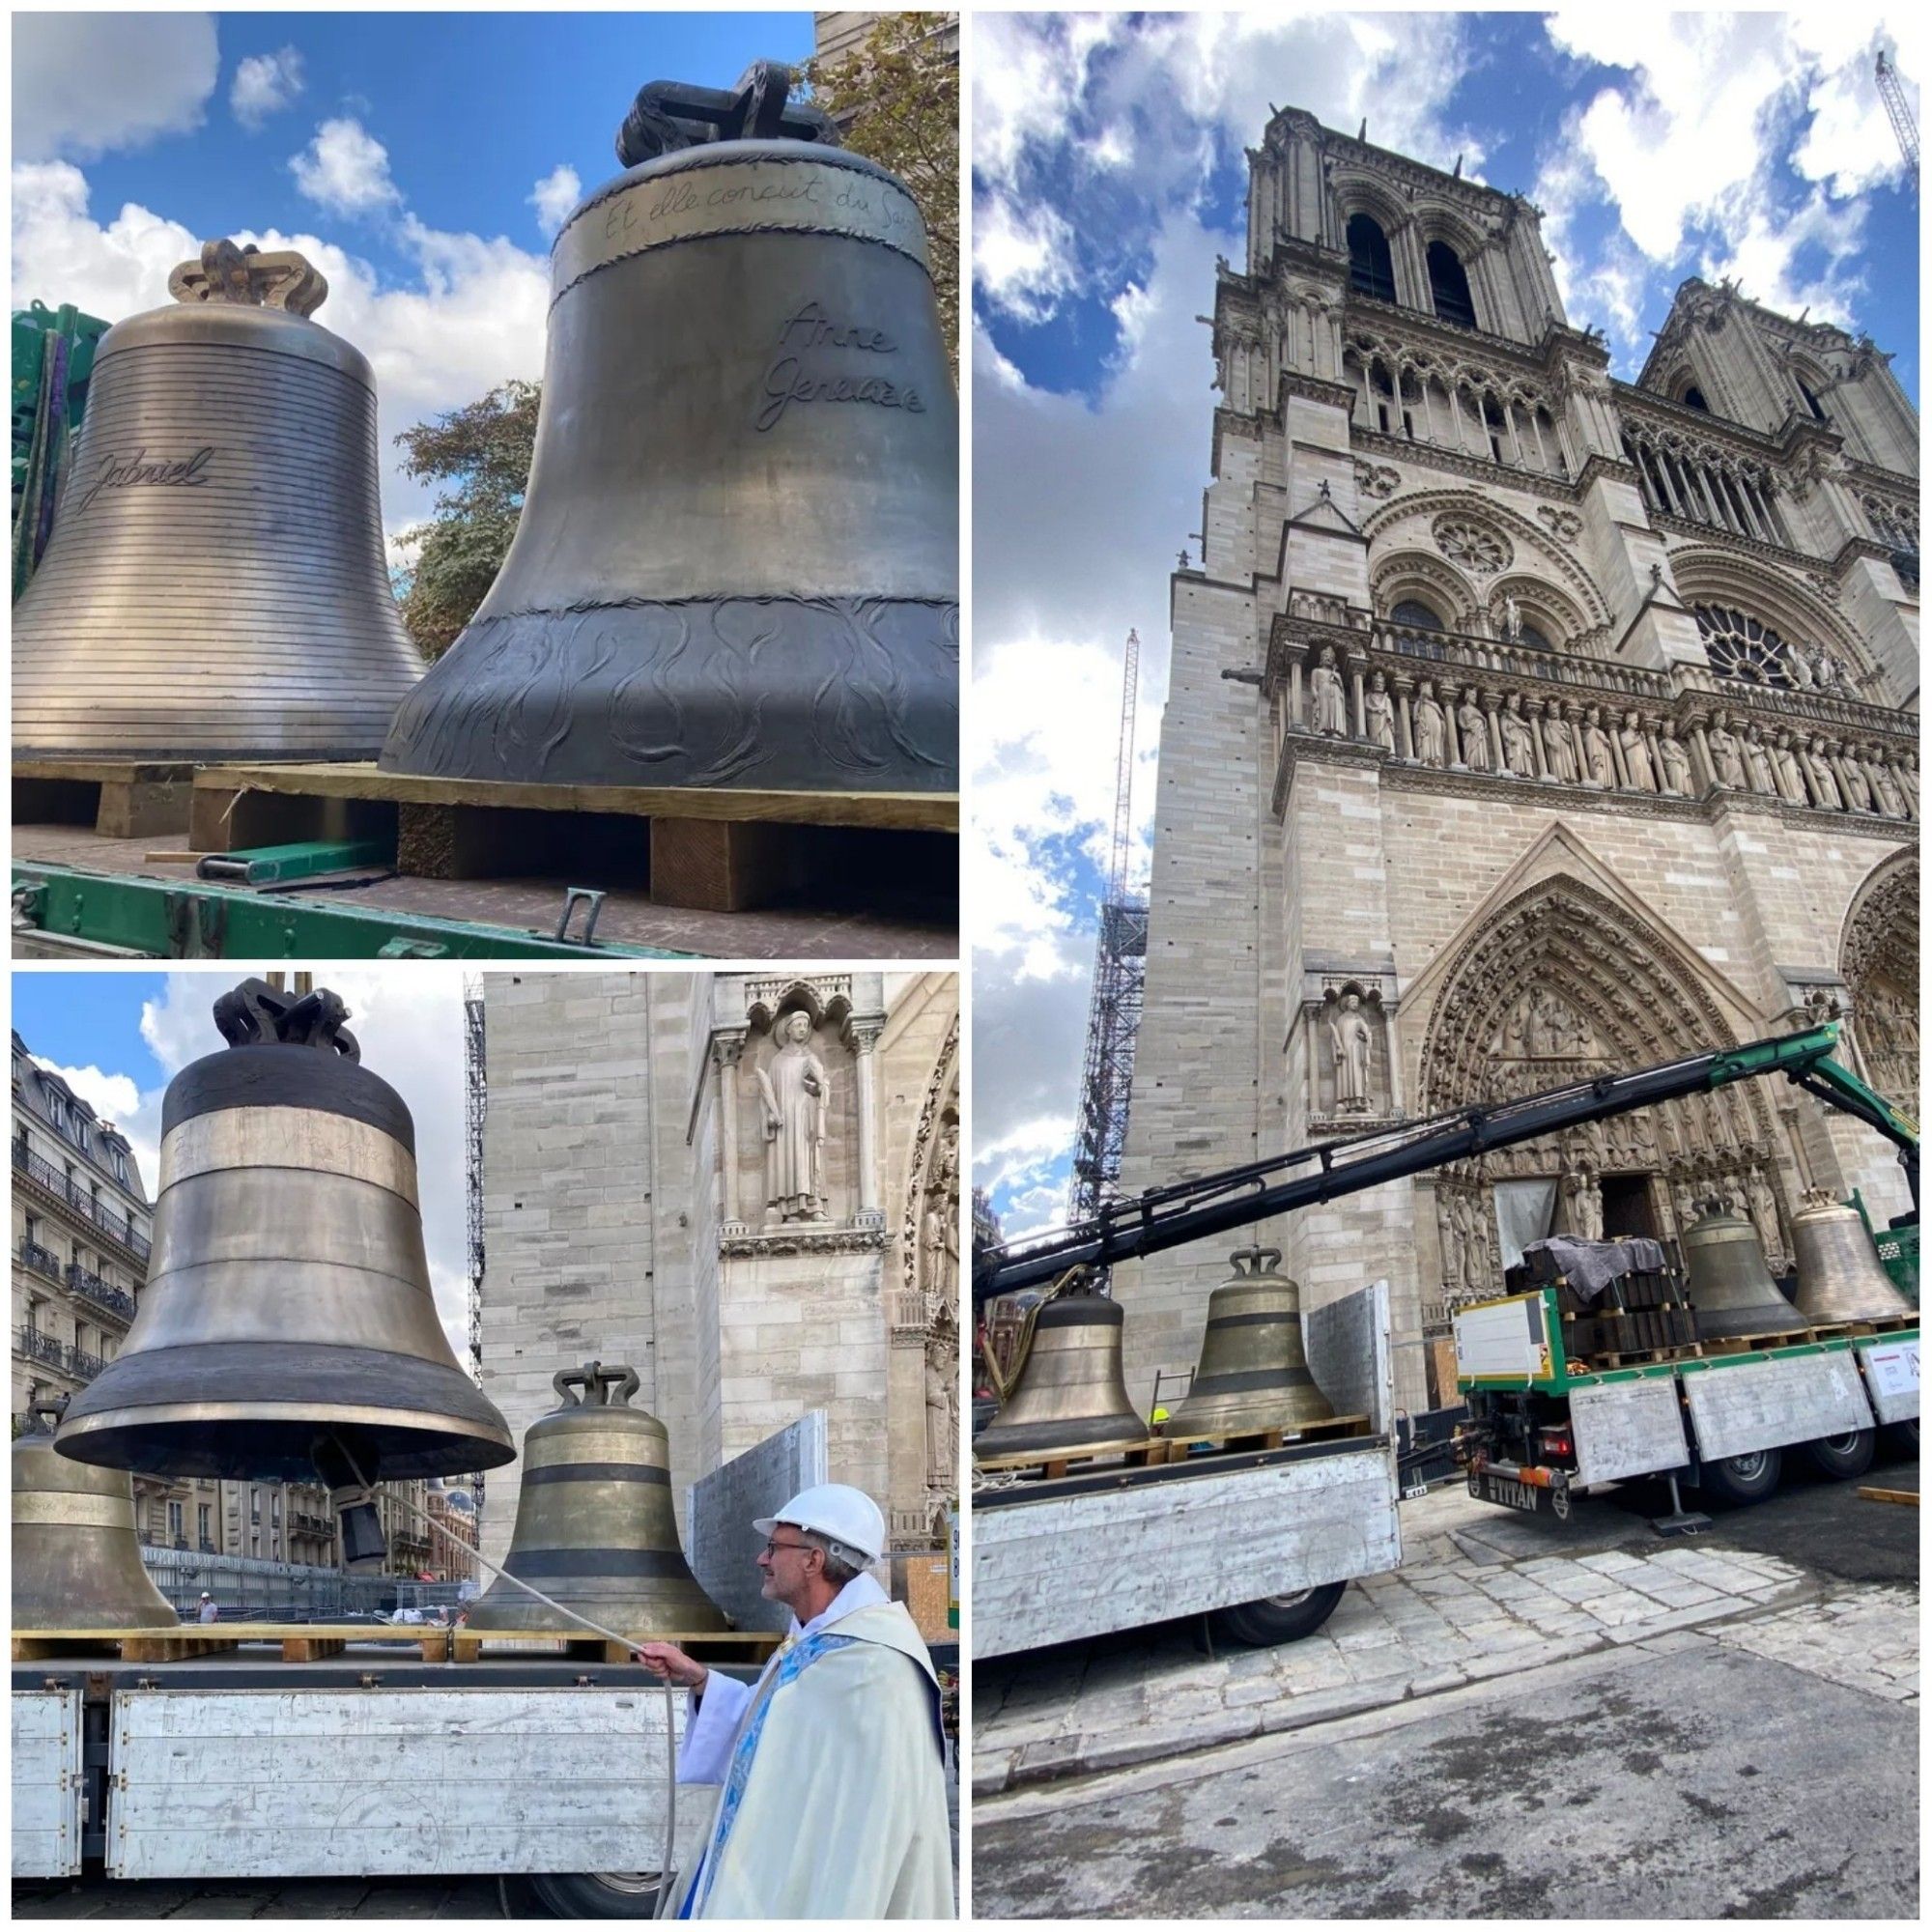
[{"x": 831, "y": 1765}]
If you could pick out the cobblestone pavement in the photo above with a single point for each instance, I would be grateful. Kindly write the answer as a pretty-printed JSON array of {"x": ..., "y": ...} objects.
[
  {"x": 1528, "y": 1719},
  {"x": 1479, "y": 1594}
]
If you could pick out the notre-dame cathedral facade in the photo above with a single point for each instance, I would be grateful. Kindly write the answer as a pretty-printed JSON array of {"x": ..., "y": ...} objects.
[{"x": 1522, "y": 723}]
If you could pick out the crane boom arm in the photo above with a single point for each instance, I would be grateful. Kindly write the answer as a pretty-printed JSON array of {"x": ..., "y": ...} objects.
[{"x": 1189, "y": 1210}]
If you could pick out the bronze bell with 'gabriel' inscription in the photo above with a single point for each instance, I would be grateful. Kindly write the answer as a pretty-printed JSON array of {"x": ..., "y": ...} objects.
[
  {"x": 288, "y": 1328},
  {"x": 737, "y": 562},
  {"x": 216, "y": 586},
  {"x": 76, "y": 1554},
  {"x": 595, "y": 1529},
  {"x": 1726, "y": 1279},
  {"x": 1252, "y": 1373},
  {"x": 1070, "y": 1392},
  {"x": 1840, "y": 1278}
]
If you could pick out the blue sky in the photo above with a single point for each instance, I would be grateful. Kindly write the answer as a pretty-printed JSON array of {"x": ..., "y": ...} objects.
[
  {"x": 90, "y": 1019},
  {"x": 422, "y": 160},
  {"x": 1109, "y": 174}
]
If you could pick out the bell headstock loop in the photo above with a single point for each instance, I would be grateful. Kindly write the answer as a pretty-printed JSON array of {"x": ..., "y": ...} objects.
[
  {"x": 44, "y": 1412},
  {"x": 594, "y": 1386},
  {"x": 256, "y": 1013},
  {"x": 251, "y": 279},
  {"x": 671, "y": 115}
]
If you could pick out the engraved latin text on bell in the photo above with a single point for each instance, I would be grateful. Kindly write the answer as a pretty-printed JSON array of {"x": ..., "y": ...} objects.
[
  {"x": 215, "y": 585},
  {"x": 737, "y": 560}
]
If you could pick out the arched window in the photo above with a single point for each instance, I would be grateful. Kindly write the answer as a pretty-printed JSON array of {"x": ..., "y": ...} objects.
[
  {"x": 1811, "y": 401},
  {"x": 1418, "y": 616},
  {"x": 1528, "y": 633},
  {"x": 1370, "y": 268},
  {"x": 1692, "y": 398},
  {"x": 1741, "y": 647},
  {"x": 1450, "y": 286}
]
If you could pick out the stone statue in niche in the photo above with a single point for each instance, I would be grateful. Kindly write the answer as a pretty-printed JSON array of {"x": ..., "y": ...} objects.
[
  {"x": 939, "y": 1251},
  {"x": 1511, "y": 620},
  {"x": 1884, "y": 791},
  {"x": 1518, "y": 751},
  {"x": 942, "y": 1420},
  {"x": 1603, "y": 766},
  {"x": 1818, "y": 769},
  {"x": 793, "y": 1087},
  {"x": 1636, "y": 754},
  {"x": 1429, "y": 725},
  {"x": 1475, "y": 731},
  {"x": 1858, "y": 791},
  {"x": 1450, "y": 1225},
  {"x": 1676, "y": 760},
  {"x": 1764, "y": 1215},
  {"x": 1475, "y": 1245},
  {"x": 1757, "y": 762},
  {"x": 1329, "y": 700},
  {"x": 1560, "y": 745},
  {"x": 1908, "y": 781},
  {"x": 1728, "y": 766},
  {"x": 1380, "y": 708},
  {"x": 1790, "y": 772},
  {"x": 1352, "y": 1044}
]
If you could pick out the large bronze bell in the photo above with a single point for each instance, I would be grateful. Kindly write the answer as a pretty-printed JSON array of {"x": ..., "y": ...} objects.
[
  {"x": 1725, "y": 1279},
  {"x": 1070, "y": 1392},
  {"x": 287, "y": 1327},
  {"x": 77, "y": 1557},
  {"x": 1840, "y": 1278},
  {"x": 1252, "y": 1373},
  {"x": 737, "y": 563},
  {"x": 215, "y": 585},
  {"x": 595, "y": 1529}
]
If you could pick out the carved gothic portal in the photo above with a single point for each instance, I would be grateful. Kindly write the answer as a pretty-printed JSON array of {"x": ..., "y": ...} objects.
[
  {"x": 1879, "y": 960},
  {"x": 1563, "y": 986}
]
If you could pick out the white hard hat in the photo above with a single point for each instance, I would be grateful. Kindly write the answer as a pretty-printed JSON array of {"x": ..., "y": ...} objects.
[{"x": 837, "y": 1509}]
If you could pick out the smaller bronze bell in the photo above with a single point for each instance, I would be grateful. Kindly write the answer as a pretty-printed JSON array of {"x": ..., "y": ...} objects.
[
  {"x": 1840, "y": 1278},
  {"x": 1252, "y": 1373},
  {"x": 595, "y": 1529},
  {"x": 76, "y": 1557},
  {"x": 1726, "y": 1281},
  {"x": 1068, "y": 1394}
]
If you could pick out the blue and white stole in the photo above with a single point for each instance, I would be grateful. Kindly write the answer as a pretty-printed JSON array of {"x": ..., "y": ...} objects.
[{"x": 791, "y": 1662}]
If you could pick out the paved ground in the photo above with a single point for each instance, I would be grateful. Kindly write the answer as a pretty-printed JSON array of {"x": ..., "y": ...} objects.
[{"x": 1576, "y": 1720}]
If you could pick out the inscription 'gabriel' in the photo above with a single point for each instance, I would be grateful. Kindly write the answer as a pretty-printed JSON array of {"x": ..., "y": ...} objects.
[
  {"x": 187, "y": 473},
  {"x": 788, "y": 380}
]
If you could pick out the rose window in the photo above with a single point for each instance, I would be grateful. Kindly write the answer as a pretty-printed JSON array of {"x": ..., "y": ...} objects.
[
  {"x": 1480, "y": 551},
  {"x": 1739, "y": 646}
]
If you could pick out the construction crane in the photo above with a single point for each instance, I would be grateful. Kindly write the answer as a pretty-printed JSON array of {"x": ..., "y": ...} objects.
[
  {"x": 1120, "y": 981},
  {"x": 1894, "y": 96}
]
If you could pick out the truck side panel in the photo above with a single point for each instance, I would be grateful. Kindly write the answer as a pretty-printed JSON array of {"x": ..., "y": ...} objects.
[
  {"x": 1627, "y": 1429},
  {"x": 1764, "y": 1402},
  {"x": 48, "y": 1783},
  {"x": 348, "y": 1783},
  {"x": 1054, "y": 1570},
  {"x": 1890, "y": 1366}
]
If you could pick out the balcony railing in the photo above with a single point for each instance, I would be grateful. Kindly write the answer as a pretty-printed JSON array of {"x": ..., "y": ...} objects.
[
  {"x": 39, "y": 1347},
  {"x": 83, "y": 1364},
  {"x": 1475, "y": 653},
  {"x": 43, "y": 1260},
  {"x": 104, "y": 1294},
  {"x": 117, "y": 1228}
]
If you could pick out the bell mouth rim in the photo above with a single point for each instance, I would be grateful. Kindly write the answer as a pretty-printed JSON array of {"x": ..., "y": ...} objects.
[{"x": 477, "y": 1438}]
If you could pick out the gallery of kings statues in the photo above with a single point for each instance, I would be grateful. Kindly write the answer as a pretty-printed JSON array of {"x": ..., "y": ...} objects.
[{"x": 1523, "y": 723}]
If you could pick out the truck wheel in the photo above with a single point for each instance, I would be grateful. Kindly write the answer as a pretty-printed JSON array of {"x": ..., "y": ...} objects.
[
  {"x": 1902, "y": 1437},
  {"x": 1278, "y": 1619},
  {"x": 1743, "y": 1479},
  {"x": 1840, "y": 1458},
  {"x": 596, "y": 1894}
]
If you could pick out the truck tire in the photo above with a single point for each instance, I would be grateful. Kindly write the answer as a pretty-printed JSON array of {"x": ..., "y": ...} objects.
[
  {"x": 596, "y": 1894},
  {"x": 1840, "y": 1458},
  {"x": 1902, "y": 1437},
  {"x": 1743, "y": 1479},
  {"x": 1278, "y": 1619}
]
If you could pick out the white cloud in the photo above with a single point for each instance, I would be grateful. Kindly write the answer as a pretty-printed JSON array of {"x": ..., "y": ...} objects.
[
  {"x": 264, "y": 85},
  {"x": 554, "y": 196},
  {"x": 409, "y": 1029},
  {"x": 345, "y": 169},
  {"x": 476, "y": 318},
  {"x": 1023, "y": 257},
  {"x": 88, "y": 84},
  {"x": 118, "y": 1101}
]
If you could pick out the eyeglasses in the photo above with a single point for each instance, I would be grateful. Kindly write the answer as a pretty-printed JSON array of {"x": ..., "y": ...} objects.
[{"x": 773, "y": 1547}]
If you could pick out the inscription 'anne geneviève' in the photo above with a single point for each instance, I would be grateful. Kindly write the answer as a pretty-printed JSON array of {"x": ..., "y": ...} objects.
[
  {"x": 789, "y": 380},
  {"x": 186, "y": 473}
]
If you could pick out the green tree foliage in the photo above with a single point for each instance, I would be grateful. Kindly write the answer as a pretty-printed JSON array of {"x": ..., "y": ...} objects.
[
  {"x": 482, "y": 452},
  {"x": 900, "y": 89}
]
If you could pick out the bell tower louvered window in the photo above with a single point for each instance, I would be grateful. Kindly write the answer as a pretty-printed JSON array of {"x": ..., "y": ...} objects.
[
  {"x": 1449, "y": 286},
  {"x": 1370, "y": 268}
]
